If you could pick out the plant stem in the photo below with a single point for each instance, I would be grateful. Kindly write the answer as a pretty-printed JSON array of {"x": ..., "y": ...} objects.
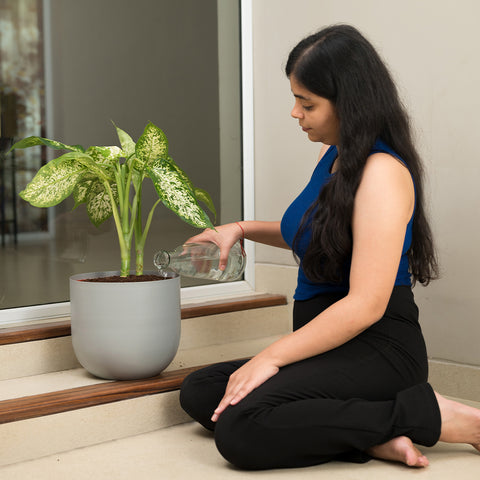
[
  {"x": 138, "y": 232},
  {"x": 139, "y": 262},
  {"x": 140, "y": 239},
  {"x": 123, "y": 242}
]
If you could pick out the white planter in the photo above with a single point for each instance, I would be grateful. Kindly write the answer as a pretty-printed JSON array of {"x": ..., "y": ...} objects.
[{"x": 125, "y": 331}]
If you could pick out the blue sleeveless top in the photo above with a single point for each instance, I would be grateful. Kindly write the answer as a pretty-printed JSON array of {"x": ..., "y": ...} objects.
[{"x": 293, "y": 216}]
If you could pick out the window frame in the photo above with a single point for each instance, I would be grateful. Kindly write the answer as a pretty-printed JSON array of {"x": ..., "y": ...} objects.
[{"x": 39, "y": 313}]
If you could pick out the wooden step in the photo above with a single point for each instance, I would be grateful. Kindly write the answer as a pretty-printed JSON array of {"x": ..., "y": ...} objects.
[
  {"x": 34, "y": 425},
  {"x": 48, "y": 404},
  {"x": 81, "y": 397},
  {"x": 40, "y": 436}
]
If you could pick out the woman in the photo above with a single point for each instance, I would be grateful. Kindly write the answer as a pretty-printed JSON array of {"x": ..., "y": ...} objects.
[{"x": 350, "y": 382}]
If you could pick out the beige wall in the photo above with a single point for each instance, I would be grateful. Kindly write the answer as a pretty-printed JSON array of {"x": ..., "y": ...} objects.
[{"x": 432, "y": 49}]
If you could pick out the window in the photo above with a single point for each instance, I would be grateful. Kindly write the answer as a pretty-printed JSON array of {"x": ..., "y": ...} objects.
[{"x": 176, "y": 64}]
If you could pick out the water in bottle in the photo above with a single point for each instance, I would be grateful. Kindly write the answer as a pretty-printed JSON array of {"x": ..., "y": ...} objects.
[{"x": 200, "y": 260}]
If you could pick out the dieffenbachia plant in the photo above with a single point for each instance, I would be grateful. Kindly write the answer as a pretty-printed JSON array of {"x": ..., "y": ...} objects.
[{"x": 109, "y": 181}]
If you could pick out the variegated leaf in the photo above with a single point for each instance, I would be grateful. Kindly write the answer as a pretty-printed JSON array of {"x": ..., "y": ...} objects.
[
  {"x": 97, "y": 170},
  {"x": 199, "y": 193},
  {"x": 84, "y": 188},
  {"x": 180, "y": 172},
  {"x": 80, "y": 192},
  {"x": 107, "y": 156},
  {"x": 34, "y": 141},
  {"x": 151, "y": 145},
  {"x": 55, "y": 181},
  {"x": 176, "y": 195},
  {"x": 99, "y": 205}
]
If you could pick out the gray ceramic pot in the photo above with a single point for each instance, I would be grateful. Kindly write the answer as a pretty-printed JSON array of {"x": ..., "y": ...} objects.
[{"x": 125, "y": 331}]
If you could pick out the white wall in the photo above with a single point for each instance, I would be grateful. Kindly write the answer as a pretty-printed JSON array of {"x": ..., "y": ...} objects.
[{"x": 432, "y": 49}]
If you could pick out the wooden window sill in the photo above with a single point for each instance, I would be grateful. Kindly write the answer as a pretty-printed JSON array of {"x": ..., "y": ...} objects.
[{"x": 55, "y": 329}]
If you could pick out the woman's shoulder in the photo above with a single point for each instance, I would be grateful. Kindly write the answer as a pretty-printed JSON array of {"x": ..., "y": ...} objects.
[
  {"x": 382, "y": 147},
  {"x": 386, "y": 164},
  {"x": 386, "y": 177},
  {"x": 385, "y": 157}
]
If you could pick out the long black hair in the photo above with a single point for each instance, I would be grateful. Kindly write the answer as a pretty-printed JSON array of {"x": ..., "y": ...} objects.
[{"x": 340, "y": 64}]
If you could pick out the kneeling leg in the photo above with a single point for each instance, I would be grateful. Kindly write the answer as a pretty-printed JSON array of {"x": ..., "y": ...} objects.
[{"x": 202, "y": 391}]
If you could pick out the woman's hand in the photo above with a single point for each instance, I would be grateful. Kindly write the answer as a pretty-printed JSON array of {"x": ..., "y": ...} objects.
[
  {"x": 225, "y": 236},
  {"x": 244, "y": 380}
]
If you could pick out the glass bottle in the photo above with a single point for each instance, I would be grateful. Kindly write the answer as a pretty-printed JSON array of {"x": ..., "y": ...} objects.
[{"x": 200, "y": 260}]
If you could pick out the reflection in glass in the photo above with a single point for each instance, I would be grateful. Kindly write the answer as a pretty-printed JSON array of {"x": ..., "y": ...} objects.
[{"x": 21, "y": 107}]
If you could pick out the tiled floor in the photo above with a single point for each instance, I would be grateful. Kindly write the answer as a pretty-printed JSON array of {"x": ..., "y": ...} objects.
[{"x": 186, "y": 451}]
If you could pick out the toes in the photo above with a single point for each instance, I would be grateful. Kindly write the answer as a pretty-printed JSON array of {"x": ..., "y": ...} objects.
[
  {"x": 416, "y": 460},
  {"x": 413, "y": 456}
]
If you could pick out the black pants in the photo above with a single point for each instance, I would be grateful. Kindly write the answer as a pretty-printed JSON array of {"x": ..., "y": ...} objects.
[{"x": 332, "y": 406}]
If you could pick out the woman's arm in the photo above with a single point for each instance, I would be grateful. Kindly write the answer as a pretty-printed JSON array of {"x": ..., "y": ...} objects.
[
  {"x": 383, "y": 206},
  {"x": 264, "y": 232},
  {"x": 226, "y": 235}
]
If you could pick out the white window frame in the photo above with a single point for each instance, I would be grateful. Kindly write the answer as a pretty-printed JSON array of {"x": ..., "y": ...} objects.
[{"x": 37, "y": 313}]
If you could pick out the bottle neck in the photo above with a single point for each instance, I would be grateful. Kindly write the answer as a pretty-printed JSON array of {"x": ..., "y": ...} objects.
[{"x": 161, "y": 260}]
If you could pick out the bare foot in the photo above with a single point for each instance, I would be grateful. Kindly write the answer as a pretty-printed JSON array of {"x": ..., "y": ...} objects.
[
  {"x": 399, "y": 449},
  {"x": 460, "y": 423}
]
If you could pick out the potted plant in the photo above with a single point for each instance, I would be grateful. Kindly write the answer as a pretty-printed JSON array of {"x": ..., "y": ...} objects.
[{"x": 125, "y": 325}]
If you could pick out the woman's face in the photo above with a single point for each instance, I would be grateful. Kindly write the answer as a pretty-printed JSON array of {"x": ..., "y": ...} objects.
[{"x": 316, "y": 115}]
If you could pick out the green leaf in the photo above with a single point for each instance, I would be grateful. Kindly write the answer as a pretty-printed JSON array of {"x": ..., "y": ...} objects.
[
  {"x": 128, "y": 145},
  {"x": 137, "y": 179},
  {"x": 34, "y": 141},
  {"x": 176, "y": 194},
  {"x": 99, "y": 205},
  {"x": 55, "y": 181},
  {"x": 152, "y": 145},
  {"x": 205, "y": 197}
]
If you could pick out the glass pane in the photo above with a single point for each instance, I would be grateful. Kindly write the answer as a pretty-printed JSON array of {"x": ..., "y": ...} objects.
[{"x": 174, "y": 63}]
